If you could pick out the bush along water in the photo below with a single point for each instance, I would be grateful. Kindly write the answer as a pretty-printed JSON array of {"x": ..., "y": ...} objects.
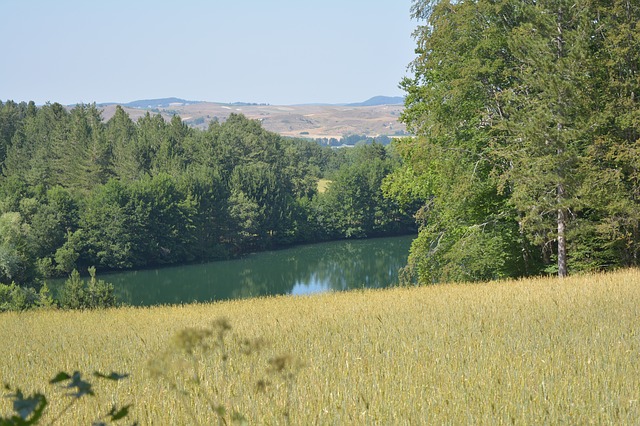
[{"x": 75, "y": 293}]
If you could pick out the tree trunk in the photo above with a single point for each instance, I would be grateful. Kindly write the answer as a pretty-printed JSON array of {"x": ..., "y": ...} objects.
[
  {"x": 562, "y": 213},
  {"x": 562, "y": 245}
]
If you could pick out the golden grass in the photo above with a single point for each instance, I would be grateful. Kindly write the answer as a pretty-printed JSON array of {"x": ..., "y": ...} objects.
[{"x": 539, "y": 351}]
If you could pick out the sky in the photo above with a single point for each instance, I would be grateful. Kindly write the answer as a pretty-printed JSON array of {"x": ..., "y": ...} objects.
[{"x": 280, "y": 52}]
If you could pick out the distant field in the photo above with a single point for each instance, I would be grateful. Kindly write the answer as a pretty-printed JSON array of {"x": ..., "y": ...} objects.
[
  {"x": 539, "y": 351},
  {"x": 309, "y": 121},
  {"x": 323, "y": 185}
]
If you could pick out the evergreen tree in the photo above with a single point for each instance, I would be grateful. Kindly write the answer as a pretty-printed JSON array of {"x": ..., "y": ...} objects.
[
  {"x": 151, "y": 131},
  {"x": 34, "y": 145},
  {"x": 12, "y": 116},
  {"x": 128, "y": 162},
  {"x": 169, "y": 156},
  {"x": 548, "y": 119},
  {"x": 83, "y": 157},
  {"x": 611, "y": 227}
]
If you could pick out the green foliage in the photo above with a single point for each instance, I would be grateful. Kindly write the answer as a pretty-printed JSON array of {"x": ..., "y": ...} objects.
[
  {"x": 30, "y": 409},
  {"x": 10, "y": 262},
  {"x": 516, "y": 165},
  {"x": 354, "y": 205},
  {"x": 129, "y": 157},
  {"x": 78, "y": 294},
  {"x": 13, "y": 244},
  {"x": 15, "y": 298},
  {"x": 72, "y": 294}
]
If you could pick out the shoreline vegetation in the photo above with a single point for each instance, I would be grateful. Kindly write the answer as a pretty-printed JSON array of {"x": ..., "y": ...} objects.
[{"x": 537, "y": 350}]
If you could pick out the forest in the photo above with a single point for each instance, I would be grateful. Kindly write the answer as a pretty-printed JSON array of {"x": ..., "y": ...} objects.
[
  {"x": 526, "y": 159},
  {"x": 77, "y": 192}
]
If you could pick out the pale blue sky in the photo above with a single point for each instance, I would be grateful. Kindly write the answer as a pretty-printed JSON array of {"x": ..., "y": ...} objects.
[{"x": 277, "y": 52}]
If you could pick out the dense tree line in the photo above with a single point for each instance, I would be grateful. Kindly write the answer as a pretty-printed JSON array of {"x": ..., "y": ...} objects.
[
  {"x": 527, "y": 155},
  {"x": 77, "y": 191},
  {"x": 352, "y": 140}
]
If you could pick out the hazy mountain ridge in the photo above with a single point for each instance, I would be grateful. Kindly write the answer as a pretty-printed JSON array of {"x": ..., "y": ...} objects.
[
  {"x": 381, "y": 100},
  {"x": 173, "y": 101},
  {"x": 152, "y": 103}
]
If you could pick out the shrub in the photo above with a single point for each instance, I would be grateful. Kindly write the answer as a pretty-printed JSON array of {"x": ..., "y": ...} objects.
[
  {"x": 16, "y": 298},
  {"x": 78, "y": 294}
]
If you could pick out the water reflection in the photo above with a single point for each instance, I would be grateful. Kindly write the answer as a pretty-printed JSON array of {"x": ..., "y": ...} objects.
[{"x": 333, "y": 266}]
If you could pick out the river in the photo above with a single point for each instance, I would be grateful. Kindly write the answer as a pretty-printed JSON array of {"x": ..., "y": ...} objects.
[{"x": 300, "y": 270}]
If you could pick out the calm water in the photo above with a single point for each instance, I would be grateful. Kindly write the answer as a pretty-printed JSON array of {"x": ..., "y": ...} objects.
[{"x": 332, "y": 266}]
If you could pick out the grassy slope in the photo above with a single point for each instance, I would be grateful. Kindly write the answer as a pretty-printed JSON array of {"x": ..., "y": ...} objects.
[
  {"x": 530, "y": 352},
  {"x": 310, "y": 121}
]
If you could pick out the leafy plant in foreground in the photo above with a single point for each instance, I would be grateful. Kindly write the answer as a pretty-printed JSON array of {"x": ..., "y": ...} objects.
[{"x": 30, "y": 409}]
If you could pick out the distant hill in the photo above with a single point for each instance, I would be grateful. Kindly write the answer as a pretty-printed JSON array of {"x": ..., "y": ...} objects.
[
  {"x": 172, "y": 102},
  {"x": 159, "y": 103},
  {"x": 380, "y": 100}
]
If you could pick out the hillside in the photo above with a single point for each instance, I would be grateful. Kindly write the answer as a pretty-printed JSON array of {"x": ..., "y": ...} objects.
[{"x": 309, "y": 121}]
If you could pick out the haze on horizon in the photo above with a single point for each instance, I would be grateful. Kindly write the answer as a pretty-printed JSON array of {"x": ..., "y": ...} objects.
[{"x": 281, "y": 52}]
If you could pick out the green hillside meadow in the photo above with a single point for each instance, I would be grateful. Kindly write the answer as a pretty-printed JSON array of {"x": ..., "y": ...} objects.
[{"x": 536, "y": 351}]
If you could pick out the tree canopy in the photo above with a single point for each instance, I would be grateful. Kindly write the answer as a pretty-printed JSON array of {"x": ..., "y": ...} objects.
[{"x": 526, "y": 119}]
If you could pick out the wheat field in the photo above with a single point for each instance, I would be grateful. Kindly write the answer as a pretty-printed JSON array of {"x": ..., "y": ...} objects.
[{"x": 536, "y": 351}]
